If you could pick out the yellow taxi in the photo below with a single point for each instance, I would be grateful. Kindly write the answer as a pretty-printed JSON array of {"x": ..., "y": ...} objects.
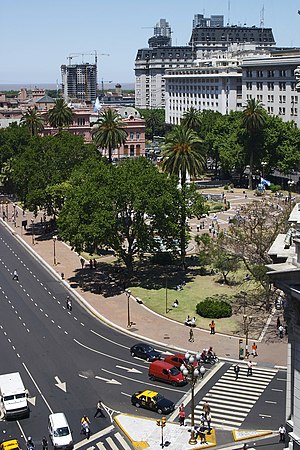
[
  {"x": 152, "y": 400},
  {"x": 13, "y": 444}
]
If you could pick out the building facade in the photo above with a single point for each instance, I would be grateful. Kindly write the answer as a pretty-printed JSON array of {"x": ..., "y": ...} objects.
[
  {"x": 271, "y": 80},
  {"x": 285, "y": 275},
  {"x": 214, "y": 84},
  {"x": 79, "y": 82}
]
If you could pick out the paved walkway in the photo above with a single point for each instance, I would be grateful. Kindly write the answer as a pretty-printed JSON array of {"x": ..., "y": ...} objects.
[{"x": 113, "y": 310}]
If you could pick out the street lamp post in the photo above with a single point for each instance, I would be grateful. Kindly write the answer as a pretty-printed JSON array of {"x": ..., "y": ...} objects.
[
  {"x": 290, "y": 184},
  {"x": 247, "y": 323},
  {"x": 7, "y": 211},
  {"x": 128, "y": 293},
  {"x": 54, "y": 249},
  {"x": 32, "y": 230},
  {"x": 191, "y": 373},
  {"x": 167, "y": 294}
]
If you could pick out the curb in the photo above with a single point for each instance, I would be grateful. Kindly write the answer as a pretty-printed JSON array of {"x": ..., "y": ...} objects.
[{"x": 95, "y": 313}]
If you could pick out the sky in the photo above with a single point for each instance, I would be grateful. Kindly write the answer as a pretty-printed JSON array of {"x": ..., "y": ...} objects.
[{"x": 39, "y": 35}]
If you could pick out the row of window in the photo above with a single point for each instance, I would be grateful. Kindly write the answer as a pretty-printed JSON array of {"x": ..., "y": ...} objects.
[
  {"x": 131, "y": 135},
  {"x": 282, "y": 73},
  {"x": 270, "y": 85},
  {"x": 204, "y": 105},
  {"x": 191, "y": 95}
]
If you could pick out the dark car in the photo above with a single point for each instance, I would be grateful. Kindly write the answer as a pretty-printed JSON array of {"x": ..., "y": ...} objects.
[
  {"x": 153, "y": 401},
  {"x": 145, "y": 351}
]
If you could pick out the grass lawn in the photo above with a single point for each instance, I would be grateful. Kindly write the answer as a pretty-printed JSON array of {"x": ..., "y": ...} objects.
[{"x": 160, "y": 299}]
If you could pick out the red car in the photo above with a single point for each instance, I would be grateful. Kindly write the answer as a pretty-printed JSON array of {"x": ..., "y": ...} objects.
[{"x": 177, "y": 360}]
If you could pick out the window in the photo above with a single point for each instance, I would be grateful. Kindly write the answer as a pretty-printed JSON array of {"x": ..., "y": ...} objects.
[
  {"x": 270, "y": 73},
  {"x": 132, "y": 150},
  {"x": 282, "y": 86},
  {"x": 131, "y": 135},
  {"x": 282, "y": 73},
  {"x": 259, "y": 85},
  {"x": 137, "y": 135},
  {"x": 249, "y": 85},
  {"x": 260, "y": 74},
  {"x": 270, "y": 86}
]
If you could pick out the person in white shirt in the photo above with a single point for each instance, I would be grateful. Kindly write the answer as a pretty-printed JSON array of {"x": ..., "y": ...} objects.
[{"x": 281, "y": 432}]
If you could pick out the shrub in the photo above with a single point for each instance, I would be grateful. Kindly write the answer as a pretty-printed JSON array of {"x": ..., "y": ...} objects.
[
  {"x": 226, "y": 187},
  {"x": 214, "y": 307},
  {"x": 275, "y": 187}
]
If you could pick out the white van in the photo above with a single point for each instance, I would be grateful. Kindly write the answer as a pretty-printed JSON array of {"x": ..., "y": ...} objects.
[{"x": 59, "y": 431}]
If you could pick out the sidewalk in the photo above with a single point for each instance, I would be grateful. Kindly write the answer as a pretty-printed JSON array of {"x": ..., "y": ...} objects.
[{"x": 147, "y": 324}]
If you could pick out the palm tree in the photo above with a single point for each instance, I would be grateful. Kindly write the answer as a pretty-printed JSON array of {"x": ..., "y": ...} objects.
[
  {"x": 33, "y": 121},
  {"x": 192, "y": 119},
  {"x": 60, "y": 115},
  {"x": 110, "y": 132},
  {"x": 254, "y": 119},
  {"x": 183, "y": 155}
]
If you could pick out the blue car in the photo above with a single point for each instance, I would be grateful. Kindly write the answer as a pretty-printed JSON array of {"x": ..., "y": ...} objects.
[{"x": 145, "y": 351}]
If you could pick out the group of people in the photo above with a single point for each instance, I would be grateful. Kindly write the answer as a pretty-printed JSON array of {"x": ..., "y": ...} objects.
[
  {"x": 190, "y": 321},
  {"x": 30, "y": 443},
  {"x": 85, "y": 421},
  {"x": 236, "y": 369},
  {"x": 205, "y": 422}
]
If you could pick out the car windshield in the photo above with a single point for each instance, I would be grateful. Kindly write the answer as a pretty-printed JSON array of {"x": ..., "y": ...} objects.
[
  {"x": 157, "y": 398},
  {"x": 148, "y": 348},
  {"x": 64, "y": 431},
  {"x": 174, "y": 371}
]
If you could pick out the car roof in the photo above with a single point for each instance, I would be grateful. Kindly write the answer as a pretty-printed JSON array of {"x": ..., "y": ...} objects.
[
  {"x": 143, "y": 344},
  {"x": 162, "y": 364},
  {"x": 149, "y": 393}
]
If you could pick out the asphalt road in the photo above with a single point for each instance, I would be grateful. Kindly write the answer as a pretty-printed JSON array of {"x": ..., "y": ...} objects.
[{"x": 69, "y": 359}]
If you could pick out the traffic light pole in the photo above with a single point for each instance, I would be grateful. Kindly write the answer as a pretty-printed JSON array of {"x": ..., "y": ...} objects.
[{"x": 162, "y": 423}]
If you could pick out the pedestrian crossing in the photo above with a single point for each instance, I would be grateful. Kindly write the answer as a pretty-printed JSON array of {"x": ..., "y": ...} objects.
[
  {"x": 113, "y": 442},
  {"x": 231, "y": 400}
]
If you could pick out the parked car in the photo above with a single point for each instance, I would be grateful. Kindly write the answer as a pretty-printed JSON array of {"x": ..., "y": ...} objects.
[
  {"x": 145, "y": 351},
  {"x": 152, "y": 400},
  {"x": 163, "y": 371},
  {"x": 177, "y": 360}
]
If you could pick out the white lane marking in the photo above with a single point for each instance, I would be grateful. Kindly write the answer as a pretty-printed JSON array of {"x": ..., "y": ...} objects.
[
  {"x": 112, "y": 381},
  {"x": 264, "y": 415},
  {"x": 34, "y": 382},
  {"x": 139, "y": 381},
  {"x": 281, "y": 379},
  {"x": 127, "y": 395},
  {"x": 128, "y": 369},
  {"x": 277, "y": 390},
  {"x": 83, "y": 376},
  {"x": 105, "y": 354},
  {"x": 122, "y": 441},
  {"x": 111, "y": 443},
  {"x": 269, "y": 401},
  {"x": 95, "y": 436}
]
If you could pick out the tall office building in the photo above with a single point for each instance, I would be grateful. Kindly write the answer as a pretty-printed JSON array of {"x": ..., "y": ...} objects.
[
  {"x": 79, "y": 81},
  {"x": 212, "y": 21}
]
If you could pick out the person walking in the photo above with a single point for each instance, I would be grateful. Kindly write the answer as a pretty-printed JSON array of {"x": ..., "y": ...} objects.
[
  {"x": 191, "y": 338},
  {"x": 249, "y": 368},
  {"x": 208, "y": 421},
  {"x": 236, "y": 369},
  {"x": 212, "y": 327},
  {"x": 254, "y": 349},
  {"x": 69, "y": 303},
  {"x": 206, "y": 408},
  {"x": 182, "y": 417},
  {"x": 82, "y": 262},
  {"x": 15, "y": 275},
  {"x": 44, "y": 443},
  {"x": 280, "y": 331},
  {"x": 282, "y": 432},
  {"x": 99, "y": 410},
  {"x": 278, "y": 322}
]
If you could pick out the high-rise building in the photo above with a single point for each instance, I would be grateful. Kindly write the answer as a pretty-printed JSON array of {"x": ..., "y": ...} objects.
[
  {"x": 212, "y": 21},
  {"x": 79, "y": 81}
]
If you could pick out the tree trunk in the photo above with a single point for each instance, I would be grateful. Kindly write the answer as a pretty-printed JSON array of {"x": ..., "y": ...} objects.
[
  {"x": 250, "y": 184},
  {"x": 183, "y": 224}
]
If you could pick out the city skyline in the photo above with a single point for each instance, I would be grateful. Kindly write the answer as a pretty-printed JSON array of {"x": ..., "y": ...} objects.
[{"x": 41, "y": 36}]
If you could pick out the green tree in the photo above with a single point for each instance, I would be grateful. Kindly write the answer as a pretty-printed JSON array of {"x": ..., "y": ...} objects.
[
  {"x": 192, "y": 119},
  {"x": 126, "y": 207},
  {"x": 110, "y": 132},
  {"x": 60, "y": 115},
  {"x": 33, "y": 121},
  {"x": 254, "y": 119},
  {"x": 183, "y": 156},
  {"x": 154, "y": 122}
]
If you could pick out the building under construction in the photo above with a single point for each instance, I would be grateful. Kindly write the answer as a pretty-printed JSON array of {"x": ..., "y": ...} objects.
[{"x": 79, "y": 82}]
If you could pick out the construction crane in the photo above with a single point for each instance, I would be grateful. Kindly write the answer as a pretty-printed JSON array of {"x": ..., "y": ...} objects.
[
  {"x": 94, "y": 53},
  {"x": 102, "y": 85}
]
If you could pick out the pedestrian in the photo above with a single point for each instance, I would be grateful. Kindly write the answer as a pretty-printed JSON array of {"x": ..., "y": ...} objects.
[
  {"x": 198, "y": 227},
  {"x": 182, "y": 417},
  {"x": 208, "y": 421},
  {"x": 201, "y": 433},
  {"x": 236, "y": 369},
  {"x": 91, "y": 263},
  {"x": 210, "y": 227},
  {"x": 282, "y": 432},
  {"x": 206, "y": 408},
  {"x": 202, "y": 419},
  {"x": 254, "y": 349},
  {"x": 95, "y": 264},
  {"x": 249, "y": 368},
  {"x": 280, "y": 331},
  {"x": 44, "y": 443},
  {"x": 278, "y": 322},
  {"x": 99, "y": 410},
  {"x": 191, "y": 338},
  {"x": 69, "y": 303},
  {"x": 15, "y": 275},
  {"x": 82, "y": 262},
  {"x": 212, "y": 327}
]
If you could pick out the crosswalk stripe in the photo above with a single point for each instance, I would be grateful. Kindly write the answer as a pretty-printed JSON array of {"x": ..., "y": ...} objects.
[
  {"x": 100, "y": 445},
  {"x": 111, "y": 443},
  {"x": 231, "y": 400},
  {"x": 122, "y": 441}
]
